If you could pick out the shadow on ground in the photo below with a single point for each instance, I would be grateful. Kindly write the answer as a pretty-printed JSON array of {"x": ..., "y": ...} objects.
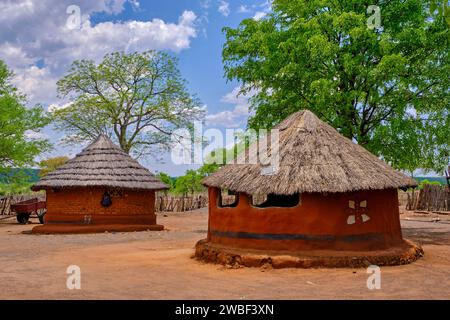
[{"x": 427, "y": 236}]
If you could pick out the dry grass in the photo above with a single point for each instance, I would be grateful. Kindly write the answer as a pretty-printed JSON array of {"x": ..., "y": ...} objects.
[
  {"x": 313, "y": 157},
  {"x": 101, "y": 164}
]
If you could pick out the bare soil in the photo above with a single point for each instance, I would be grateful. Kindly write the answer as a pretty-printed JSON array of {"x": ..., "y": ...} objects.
[{"x": 158, "y": 265}]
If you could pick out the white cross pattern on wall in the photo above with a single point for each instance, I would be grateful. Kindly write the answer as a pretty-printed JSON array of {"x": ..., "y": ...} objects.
[{"x": 358, "y": 212}]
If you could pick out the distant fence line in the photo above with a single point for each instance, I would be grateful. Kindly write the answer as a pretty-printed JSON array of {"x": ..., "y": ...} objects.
[
  {"x": 430, "y": 198},
  {"x": 162, "y": 202},
  {"x": 180, "y": 204}
]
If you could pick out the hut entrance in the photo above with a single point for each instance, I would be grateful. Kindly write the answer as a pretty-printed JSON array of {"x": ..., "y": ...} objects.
[{"x": 276, "y": 200}]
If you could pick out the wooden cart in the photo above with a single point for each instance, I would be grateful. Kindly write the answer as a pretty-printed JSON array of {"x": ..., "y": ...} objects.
[{"x": 25, "y": 209}]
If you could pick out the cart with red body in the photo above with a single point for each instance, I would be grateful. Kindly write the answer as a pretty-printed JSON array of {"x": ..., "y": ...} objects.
[{"x": 25, "y": 209}]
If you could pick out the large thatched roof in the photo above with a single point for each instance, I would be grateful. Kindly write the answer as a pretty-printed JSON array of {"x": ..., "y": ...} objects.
[
  {"x": 101, "y": 164},
  {"x": 313, "y": 157}
]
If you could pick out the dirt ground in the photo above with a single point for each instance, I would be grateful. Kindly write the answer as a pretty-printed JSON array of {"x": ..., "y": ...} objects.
[{"x": 158, "y": 265}]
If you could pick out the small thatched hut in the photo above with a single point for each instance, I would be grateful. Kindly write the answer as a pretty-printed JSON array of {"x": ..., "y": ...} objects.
[
  {"x": 329, "y": 203},
  {"x": 101, "y": 189}
]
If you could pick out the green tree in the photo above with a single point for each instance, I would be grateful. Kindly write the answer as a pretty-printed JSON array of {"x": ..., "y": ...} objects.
[
  {"x": 20, "y": 126},
  {"x": 51, "y": 164},
  {"x": 168, "y": 180},
  {"x": 386, "y": 87},
  {"x": 138, "y": 99},
  {"x": 15, "y": 181},
  {"x": 425, "y": 181},
  {"x": 189, "y": 184},
  {"x": 208, "y": 168}
]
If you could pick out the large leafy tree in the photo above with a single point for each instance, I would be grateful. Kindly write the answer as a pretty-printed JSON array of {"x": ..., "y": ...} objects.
[
  {"x": 384, "y": 86},
  {"x": 20, "y": 127},
  {"x": 138, "y": 99}
]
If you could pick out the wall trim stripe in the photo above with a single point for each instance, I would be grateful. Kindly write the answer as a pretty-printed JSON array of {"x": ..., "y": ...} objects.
[{"x": 290, "y": 236}]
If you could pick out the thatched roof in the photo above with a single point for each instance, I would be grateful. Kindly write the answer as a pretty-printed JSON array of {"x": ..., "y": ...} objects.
[
  {"x": 313, "y": 157},
  {"x": 101, "y": 164}
]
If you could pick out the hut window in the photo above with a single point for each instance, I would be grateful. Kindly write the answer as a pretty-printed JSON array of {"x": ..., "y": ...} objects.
[
  {"x": 276, "y": 200},
  {"x": 258, "y": 199},
  {"x": 228, "y": 199}
]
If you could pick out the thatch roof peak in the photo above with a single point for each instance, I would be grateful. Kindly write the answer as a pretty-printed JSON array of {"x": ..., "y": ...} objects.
[
  {"x": 313, "y": 157},
  {"x": 102, "y": 142},
  {"x": 101, "y": 164}
]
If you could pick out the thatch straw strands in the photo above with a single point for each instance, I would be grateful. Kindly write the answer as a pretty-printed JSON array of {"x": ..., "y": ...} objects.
[
  {"x": 313, "y": 157},
  {"x": 101, "y": 164}
]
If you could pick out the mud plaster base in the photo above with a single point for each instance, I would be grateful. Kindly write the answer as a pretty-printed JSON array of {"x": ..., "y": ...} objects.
[
  {"x": 404, "y": 254},
  {"x": 76, "y": 229}
]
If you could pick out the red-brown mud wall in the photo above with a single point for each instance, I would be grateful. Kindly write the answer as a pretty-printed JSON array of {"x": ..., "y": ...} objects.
[
  {"x": 83, "y": 205},
  {"x": 319, "y": 222}
]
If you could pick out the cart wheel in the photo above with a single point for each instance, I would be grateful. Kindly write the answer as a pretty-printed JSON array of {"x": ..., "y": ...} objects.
[
  {"x": 41, "y": 217},
  {"x": 22, "y": 218}
]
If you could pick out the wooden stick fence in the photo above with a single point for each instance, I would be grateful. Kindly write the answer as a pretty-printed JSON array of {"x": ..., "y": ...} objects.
[
  {"x": 180, "y": 204},
  {"x": 430, "y": 198},
  {"x": 162, "y": 202}
]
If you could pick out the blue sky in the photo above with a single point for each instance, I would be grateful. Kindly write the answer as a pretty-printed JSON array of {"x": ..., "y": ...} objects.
[{"x": 37, "y": 46}]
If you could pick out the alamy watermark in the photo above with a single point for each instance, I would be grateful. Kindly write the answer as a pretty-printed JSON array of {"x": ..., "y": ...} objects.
[
  {"x": 198, "y": 146},
  {"x": 74, "y": 277},
  {"x": 442, "y": 9},
  {"x": 73, "y": 21},
  {"x": 374, "y": 21},
  {"x": 374, "y": 280}
]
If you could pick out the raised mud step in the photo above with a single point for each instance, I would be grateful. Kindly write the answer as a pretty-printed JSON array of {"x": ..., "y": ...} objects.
[
  {"x": 73, "y": 229},
  {"x": 403, "y": 254}
]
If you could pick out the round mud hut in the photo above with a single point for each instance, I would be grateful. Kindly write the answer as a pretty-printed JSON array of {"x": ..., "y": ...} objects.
[
  {"x": 329, "y": 203},
  {"x": 101, "y": 189}
]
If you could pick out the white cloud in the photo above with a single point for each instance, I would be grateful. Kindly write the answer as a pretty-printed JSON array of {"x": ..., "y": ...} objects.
[
  {"x": 15, "y": 55},
  {"x": 224, "y": 8},
  {"x": 39, "y": 84},
  {"x": 204, "y": 4},
  {"x": 53, "y": 107},
  {"x": 243, "y": 9},
  {"x": 35, "y": 135},
  {"x": 259, "y": 15},
  {"x": 261, "y": 9},
  {"x": 135, "y": 4},
  {"x": 238, "y": 115},
  {"x": 39, "y": 47}
]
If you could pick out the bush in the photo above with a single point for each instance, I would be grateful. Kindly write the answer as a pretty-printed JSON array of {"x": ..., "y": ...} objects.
[{"x": 425, "y": 181}]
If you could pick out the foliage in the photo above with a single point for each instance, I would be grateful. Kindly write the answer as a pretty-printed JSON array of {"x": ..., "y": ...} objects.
[
  {"x": 51, "y": 164},
  {"x": 20, "y": 127},
  {"x": 387, "y": 87},
  {"x": 189, "y": 183},
  {"x": 15, "y": 181},
  {"x": 168, "y": 180},
  {"x": 426, "y": 181},
  {"x": 208, "y": 168},
  {"x": 138, "y": 99}
]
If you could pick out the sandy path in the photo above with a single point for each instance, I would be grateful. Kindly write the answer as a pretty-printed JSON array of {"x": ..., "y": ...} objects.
[{"x": 157, "y": 265}]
